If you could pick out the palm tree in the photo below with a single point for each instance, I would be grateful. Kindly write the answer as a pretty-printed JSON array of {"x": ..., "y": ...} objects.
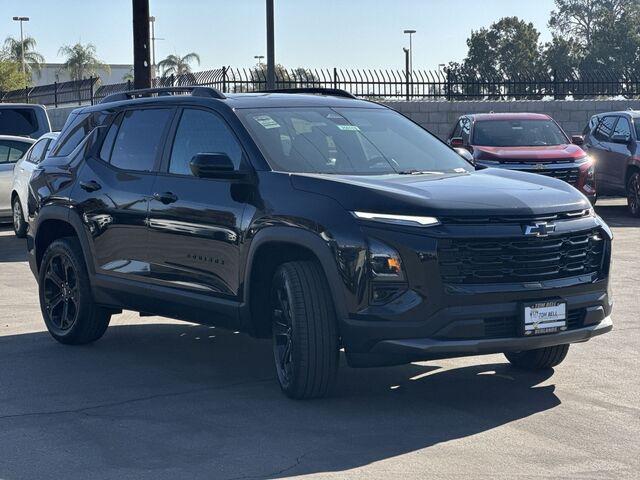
[
  {"x": 81, "y": 61},
  {"x": 178, "y": 66},
  {"x": 13, "y": 52}
]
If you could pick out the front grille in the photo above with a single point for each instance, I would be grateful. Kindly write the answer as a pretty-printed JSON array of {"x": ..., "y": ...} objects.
[
  {"x": 479, "y": 261},
  {"x": 480, "y": 220},
  {"x": 569, "y": 175},
  {"x": 509, "y": 326}
]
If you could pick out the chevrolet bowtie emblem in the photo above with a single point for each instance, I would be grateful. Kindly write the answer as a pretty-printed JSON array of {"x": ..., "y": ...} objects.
[{"x": 539, "y": 229}]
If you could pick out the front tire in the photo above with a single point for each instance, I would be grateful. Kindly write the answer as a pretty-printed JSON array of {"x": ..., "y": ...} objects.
[
  {"x": 304, "y": 333},
  {"x": 633, "y": 194},
  {"x": 67, "y": 305},
  {"x": 19, "y": 223},
  {"x": 538, "y": 359}
]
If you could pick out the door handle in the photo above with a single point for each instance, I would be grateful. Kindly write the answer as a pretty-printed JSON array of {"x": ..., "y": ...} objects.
[
  {"x": 90, "y": 186},
  {"x": 166, "y": 197}
]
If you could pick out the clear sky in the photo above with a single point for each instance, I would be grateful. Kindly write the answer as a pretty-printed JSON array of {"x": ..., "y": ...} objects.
[{"x": 309, "y": 33}]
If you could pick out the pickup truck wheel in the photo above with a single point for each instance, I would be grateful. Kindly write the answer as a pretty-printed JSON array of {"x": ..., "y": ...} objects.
[
  {"x": 19, "y": 223},
  {"x": 305, "y": 339},
  {"x": 633, "y": 194},
  {"x": 66, "y": 302},
  {"x": 538, "y": 359}
]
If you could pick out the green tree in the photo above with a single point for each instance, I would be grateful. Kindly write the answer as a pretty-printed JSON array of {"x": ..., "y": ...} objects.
[
  {"x": 607, "y": 32},
  {"x": 81, "y": 61},
  {"x": 13, "y": 49},
  {"x": 178, "y": 66},
  {"x": 509, "y": 47},
  {"x": 562, "y": 55},
  {"x": 11, "y": 77}
]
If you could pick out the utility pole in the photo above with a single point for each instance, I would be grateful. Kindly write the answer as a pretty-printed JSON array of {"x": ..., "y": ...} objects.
[
  {"x": 22, "y": 19},
  {"x": 152, "y": 19},
  {"x": 271, "y": 60},
  {"x": 407, "y": 72},
  {"x": 410, "y": 69},
  {"x": 141, "y": 54}
]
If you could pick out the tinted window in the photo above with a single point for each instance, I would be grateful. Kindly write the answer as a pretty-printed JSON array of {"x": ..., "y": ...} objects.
[
  {"x": 517, "y": 133},
  {"x": 604, "y": 128},
  {"x": 202, "y": 132},
  {"x": 623, "y": 128},
  {"x": 139, "y": 139},
  {"x": 38, "y": 150},
  {"x": 107, "y": 145},
  {"x": 357, "y": 141},
  {"x": 75, "y": 130},
  {"x": 18, "y": 121},
  {"x": 11, "y": 151},
  {"x": 637, "y": 124}
]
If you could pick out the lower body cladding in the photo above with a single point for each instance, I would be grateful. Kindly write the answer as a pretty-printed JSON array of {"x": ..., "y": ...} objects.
[{"x": 431, "y": 319}]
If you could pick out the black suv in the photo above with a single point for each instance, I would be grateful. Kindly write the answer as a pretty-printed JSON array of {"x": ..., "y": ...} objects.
[
  {"x": 613, "y": 141},
  {"x": 322, "y": 221}
]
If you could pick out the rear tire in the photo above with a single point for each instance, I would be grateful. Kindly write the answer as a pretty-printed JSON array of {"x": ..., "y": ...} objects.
[
  {"x": 19, "y": 223},
  {"x": 67, "y": 305},
  {"x": 304, "y": 333},
  {"x": 633, "y": 194},
  {"x": 538, "y": 359}
]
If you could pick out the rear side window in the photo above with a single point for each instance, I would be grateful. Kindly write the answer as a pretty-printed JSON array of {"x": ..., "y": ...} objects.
[
  {"x": 18, "y": 121},
  {"x": 38, "y": 151},
  {"x": 139, "y": 139},
  {"x": 637, "y": 125},
  {"x": 11, "y": 151},
  {"x": 200, "y": 131},
  {"x": 75, "y": 131},
  {"x": 623, "y": 129},
  {"x": 605, "y": 128}
]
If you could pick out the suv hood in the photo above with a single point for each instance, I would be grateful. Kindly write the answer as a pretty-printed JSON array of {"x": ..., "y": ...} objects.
[
  {"x": 552, "y": 153},
  {"x": 487, "y": 191}
]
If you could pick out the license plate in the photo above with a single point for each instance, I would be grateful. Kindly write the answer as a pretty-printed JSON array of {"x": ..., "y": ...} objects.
[{"x": 545, "y": 317}]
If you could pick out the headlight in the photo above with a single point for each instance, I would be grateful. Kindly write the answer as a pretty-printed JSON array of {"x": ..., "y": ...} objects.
[
  {"x": 385, "y": 262},
  {"x": 405, "y": 220}
]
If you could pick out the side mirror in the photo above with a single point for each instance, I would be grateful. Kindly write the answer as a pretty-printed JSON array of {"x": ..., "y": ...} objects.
[
  {"x": 466, "y": 154},
  {"x": 213, "y": 165},
  {"x": 624, "y": 139},
  {"x": 456, "y": 142},
  {"x": 577, "y": 140}
]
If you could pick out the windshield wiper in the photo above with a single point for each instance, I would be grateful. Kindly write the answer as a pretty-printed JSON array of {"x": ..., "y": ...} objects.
[{"x": 418, "y": 172}]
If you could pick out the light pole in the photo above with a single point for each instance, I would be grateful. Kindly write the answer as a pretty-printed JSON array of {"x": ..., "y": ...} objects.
[
  {"x": 22, "y": 19},
  {"x": 141, "y": 36},
  {"x": 259, "y": 58},
  {"x": 154, "y": 68},
  {"x": 410, "y": 32},
  {"x": 271, "y": 51}
]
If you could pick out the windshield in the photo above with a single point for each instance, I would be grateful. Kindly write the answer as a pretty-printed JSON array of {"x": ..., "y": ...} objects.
[
  {"x": 18, "y": 121},
  {"x": 517, "y": 133},
  {"x": 354, "y": 141}
]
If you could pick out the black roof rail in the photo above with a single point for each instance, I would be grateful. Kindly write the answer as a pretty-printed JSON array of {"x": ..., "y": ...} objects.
[
  {"x": 335, "y": 92},
  {"x": 164, "y": 91}
]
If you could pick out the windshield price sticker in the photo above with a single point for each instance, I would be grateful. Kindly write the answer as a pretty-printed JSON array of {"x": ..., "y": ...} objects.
[
  {"x": 349, "y": 128},
  {"x": 267, "y": 122}
]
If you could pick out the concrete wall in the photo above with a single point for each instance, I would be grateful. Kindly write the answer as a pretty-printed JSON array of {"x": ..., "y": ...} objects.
[{"x": 440, "y": 117}]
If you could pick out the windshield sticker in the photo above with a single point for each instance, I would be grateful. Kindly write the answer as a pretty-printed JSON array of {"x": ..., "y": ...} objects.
[
  {"x": 267, "y": 122},
  {"x": 350, "y": 128}
]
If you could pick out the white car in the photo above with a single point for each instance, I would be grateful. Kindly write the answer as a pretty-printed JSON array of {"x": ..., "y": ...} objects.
[
  {"x": 22, "y": 174},
  {"x": 12, "y": 148}
]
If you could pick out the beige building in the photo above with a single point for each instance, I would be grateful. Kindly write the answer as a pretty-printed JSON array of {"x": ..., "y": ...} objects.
[{"x": 53, "y": 72}]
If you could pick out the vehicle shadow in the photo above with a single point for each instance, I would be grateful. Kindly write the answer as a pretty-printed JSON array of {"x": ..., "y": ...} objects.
[
  {"x": 615, "y": 213},
  {"x": 12, "y": 248},
  {"x": 173, "y": 400}
]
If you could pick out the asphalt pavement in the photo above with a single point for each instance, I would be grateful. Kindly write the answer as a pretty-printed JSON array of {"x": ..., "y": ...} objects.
[{"x": 161, "y": 399}]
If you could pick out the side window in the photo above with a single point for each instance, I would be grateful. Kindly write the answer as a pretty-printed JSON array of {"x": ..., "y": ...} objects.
[
  {"x": 605, "y": 128},
  {"x": 200, "y": 131},
  {"x": 139, "y": 139},
  {"x": 75, "y": 131},
  {"x": 109, "y": 139},
  {"x": 457, "y": 131},
  {"x": 11, "y": 151},
  {"x": 623, "y": 129},
  {"x": 38, "y": 150},
  {"x": 466, "y": 129}
]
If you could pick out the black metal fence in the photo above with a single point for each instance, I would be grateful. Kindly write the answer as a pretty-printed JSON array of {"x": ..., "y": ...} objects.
[{"x": 373, "y": 84}]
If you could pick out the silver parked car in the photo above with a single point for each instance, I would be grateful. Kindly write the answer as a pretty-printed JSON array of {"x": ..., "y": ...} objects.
[
  {"x": 22, "y": 174},
  {"x": 11, "y": 150}
]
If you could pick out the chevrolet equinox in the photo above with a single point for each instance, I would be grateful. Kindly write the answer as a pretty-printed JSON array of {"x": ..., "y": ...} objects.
[{"x": 318, "y": 220}]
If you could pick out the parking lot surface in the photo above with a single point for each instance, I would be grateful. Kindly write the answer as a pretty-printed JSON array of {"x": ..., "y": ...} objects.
[{"x": 159, "y": 399}]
